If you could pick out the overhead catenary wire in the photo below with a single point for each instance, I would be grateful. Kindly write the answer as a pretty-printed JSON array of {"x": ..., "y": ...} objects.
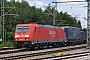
[
  {"x": 78, "y": 6},
  {"x": 77, "y": 12}
]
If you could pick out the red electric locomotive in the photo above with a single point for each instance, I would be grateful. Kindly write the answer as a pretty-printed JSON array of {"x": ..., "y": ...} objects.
[{"x": 37, "y": 35}]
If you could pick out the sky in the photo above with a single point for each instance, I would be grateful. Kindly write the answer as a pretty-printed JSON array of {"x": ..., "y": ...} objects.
[{"x": 75, "y": 9}]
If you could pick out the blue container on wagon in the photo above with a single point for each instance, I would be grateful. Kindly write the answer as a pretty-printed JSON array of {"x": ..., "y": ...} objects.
[
  {"x": 83, "y": 34},
  {"x": 73, "y": 33}
]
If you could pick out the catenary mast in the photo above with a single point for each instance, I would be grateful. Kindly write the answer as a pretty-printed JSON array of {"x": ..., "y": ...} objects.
[
  {"x": 88, "y": 24},
  {"x": 2, "y": 18}
]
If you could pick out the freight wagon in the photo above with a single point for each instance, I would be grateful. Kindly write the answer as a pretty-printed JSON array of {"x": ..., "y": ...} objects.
[
  {"x": 75, "y": 35},
  {"x": 84, "y": 35},
  {"x": 36, "y": 35}
]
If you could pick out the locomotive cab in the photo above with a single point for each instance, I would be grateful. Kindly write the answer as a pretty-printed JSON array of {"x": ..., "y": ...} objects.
[{"x": 23, "y": 35}]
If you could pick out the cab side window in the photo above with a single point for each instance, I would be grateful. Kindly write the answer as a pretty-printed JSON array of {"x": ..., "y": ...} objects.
[{"x": 34, "y": 29}]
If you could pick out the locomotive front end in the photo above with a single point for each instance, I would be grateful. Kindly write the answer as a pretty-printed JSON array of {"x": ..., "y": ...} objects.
[{"x": 21, "y": 37}]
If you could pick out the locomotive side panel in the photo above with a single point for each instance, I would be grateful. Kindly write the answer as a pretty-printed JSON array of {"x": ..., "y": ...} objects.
[
  {"x": 61, "y": 35},
  {"x": 43, "y": 35}
]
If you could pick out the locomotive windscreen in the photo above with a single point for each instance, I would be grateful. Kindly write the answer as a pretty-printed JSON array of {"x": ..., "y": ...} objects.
[{"x": 22, "y": 28}]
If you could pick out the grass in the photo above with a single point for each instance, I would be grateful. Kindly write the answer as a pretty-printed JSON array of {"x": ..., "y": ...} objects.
[{"x": 7, "y": 44}]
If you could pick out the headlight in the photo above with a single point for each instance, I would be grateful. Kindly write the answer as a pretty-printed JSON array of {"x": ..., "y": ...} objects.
[
  {"x": 16, "y": 36},
  {"x": 26, "y": 35}
]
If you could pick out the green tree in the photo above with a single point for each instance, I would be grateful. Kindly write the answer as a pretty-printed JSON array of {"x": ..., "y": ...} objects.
[
  {"x": 30, "y": 14},
  {"x": 79, "y": 24}
]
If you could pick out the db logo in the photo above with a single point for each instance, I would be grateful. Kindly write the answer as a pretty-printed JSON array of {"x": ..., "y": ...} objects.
[{"x": 52, "y": 32}]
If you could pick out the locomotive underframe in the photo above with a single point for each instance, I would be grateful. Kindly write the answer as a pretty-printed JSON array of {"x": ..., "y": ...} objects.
[
  {"x": 43, "y": 43},
  {"x": 38, "y": 43}
]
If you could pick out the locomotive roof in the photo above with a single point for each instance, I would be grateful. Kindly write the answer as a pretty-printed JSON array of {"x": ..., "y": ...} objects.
[
  {"x": 48, "y": 26},
  {"x": 40, "y": 25}
]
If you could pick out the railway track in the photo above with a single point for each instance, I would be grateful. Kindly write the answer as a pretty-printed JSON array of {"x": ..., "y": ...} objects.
[
  {"x": 11, "y": 50},
  {"x": 68, "y": 56},
  {"x": 63, "y": 57},
  {"x": 6, "y": 48},
  {"x": 39, "y": 53},
  {"x": 55, "y": 56}
]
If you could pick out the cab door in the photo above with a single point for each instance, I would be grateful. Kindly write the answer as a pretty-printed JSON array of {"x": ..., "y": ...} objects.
[{"x": 35, "y": 33}]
